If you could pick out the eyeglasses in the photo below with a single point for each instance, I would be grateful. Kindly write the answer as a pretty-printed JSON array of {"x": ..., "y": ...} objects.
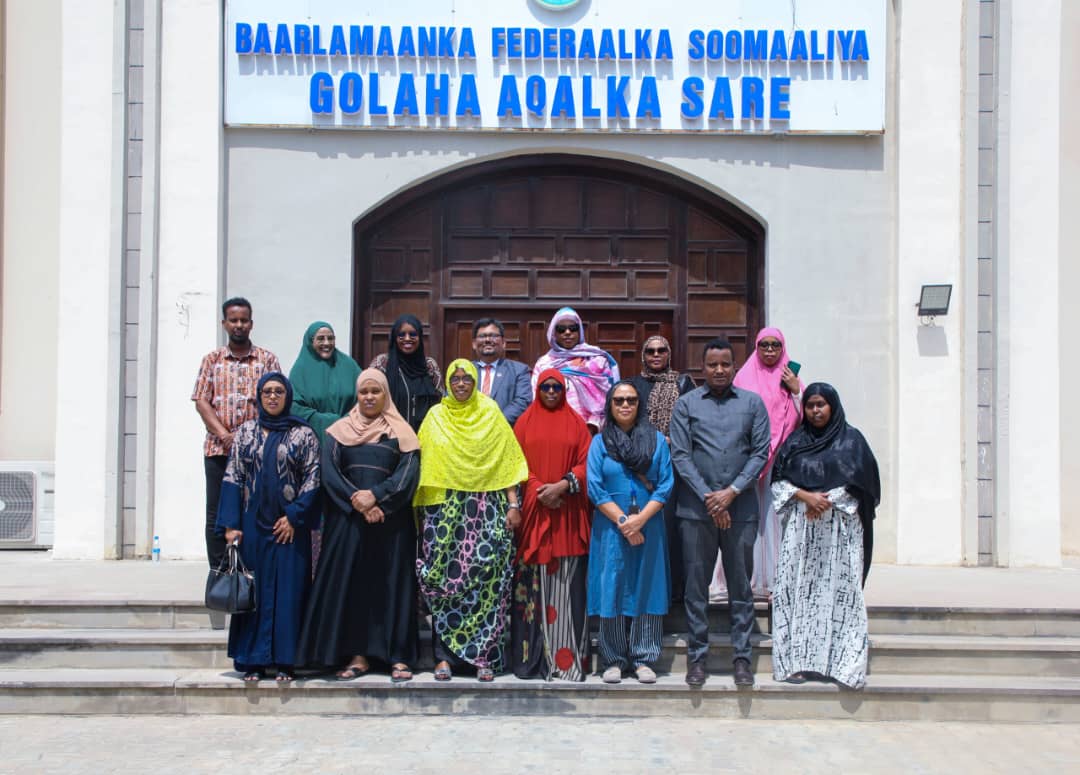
[
  {"x": 572, "y": 328},
  {"x": 765, "y": 345},
  {"x": 553, "y": 387},
  {"x": 462, "y": 380},
  {"x": 408, "y": 335},
  {"x": 624, "y": 400},
  {"x": 272, "y": 391},
  {"x": 488, "y": 336},
  {"x": 656, "y": 351}
]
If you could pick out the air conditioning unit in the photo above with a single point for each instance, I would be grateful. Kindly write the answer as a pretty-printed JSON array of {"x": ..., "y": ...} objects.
[{"x": 26, "y": 505}]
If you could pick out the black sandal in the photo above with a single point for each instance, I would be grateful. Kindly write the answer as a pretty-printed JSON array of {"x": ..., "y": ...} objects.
[
  {"x": 253, "y": 676},
  {"x": 400, "y": 673},
  {"x": 352, "y": 672},
  {"x": 284, "y": 676}
]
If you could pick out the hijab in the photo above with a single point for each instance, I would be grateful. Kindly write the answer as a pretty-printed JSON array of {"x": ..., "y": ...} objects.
[
  {"x": 467, "y": 446},
  {"x": 635, "y": 449},
  {"x": 665, "y": 391},
  {"x": 555, "y": 442},
  {"x": 408, "y": 374},
  {"x": 821, "y": 459},
  {"x": 355, "y": 429},
  {"x": 269, "y": 484},
  {"x": 322, "y": 386},
  {"x": 590, "y": 371},
  {"x": 784, "y": 415}
]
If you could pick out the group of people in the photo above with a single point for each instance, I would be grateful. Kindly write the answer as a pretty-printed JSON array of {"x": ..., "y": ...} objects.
[{"x": 514, "y": 503}]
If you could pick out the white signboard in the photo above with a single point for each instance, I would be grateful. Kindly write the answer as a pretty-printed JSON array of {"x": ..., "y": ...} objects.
[{"x": 692, "y": 66}]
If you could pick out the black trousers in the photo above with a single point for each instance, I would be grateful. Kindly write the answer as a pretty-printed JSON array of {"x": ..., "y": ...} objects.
[
  {"x": 700, "y": 540},
  {"x": 214, "y": 467}
]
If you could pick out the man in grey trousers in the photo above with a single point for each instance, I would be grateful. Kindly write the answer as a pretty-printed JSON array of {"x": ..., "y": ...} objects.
[{"x": 719, "y": 444}]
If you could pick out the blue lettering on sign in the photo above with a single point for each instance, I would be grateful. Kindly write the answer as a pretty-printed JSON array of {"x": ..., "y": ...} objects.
[
  {"x": 616, "y": 97},
  {"x": 375, "y": 108},
  {"x": 406, "y": 96},
  {"x": 405, "y": 44},
  {"x": 649, "y": 99},
  {"x": 755, "y": 45},
  {"x": 468, "y": 97},
  {"x": 351, "y": 93},
  {"x": 779, "y": 46},
  {"x": 282, "y": 43},
  {"x": 586, "y": 46},
  {"x": 692, "y": 105},
  {"x": 663, "y": 45},
  {"x": 563, "y": 101},
  {"x": 509, "y": 101},
  {"x": 321, "y": 94},
  {"x": 437, "y": 98},
  {"x": 243, "y": 38},
  {"x": 697, "y": 47},
  {"x": 536, "y": 94},
  {"x": 262, "y": 39},
  {"x": 466, "y": 45},
  {"x": 532, "y": 43},
  {"x": 337, "y": 42},
  {"x": 798, "y": 47},
  {"x": 607, "y": 45},
  {"x": 860, "y": 49},
  {"x": 753, "y": 98},
  {"x": 722, "y": 104},
  {"x": 588, "y": 110},
  {"x": 779, "y": 94},
  {"x": 302, "y": 39}
]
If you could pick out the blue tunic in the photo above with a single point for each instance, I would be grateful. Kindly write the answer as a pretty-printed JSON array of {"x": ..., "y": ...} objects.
[
  {"x": 627, "y": 580},
  {"x": 268, "y": 635}
]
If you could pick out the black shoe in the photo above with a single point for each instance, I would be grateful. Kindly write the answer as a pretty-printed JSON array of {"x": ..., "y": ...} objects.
[
  {"x": 695, "y": 673},
  {"x": 743, "y": 676}
]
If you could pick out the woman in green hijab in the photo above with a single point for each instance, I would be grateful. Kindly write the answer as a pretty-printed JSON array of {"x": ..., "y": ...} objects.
[
  {"x": 324, "y": 390},
  {"x": 470, "y": 466},
  {"x": 323, "y": 379}
]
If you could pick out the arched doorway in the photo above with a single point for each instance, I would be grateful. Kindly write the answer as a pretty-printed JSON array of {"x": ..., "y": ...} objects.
[{"x": 635, "y": 251}]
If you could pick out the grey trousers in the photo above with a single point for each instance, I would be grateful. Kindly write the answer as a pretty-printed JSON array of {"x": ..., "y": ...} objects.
[
  {"x": 700, "y": 540},
  {"x": 643, "y": 648}
]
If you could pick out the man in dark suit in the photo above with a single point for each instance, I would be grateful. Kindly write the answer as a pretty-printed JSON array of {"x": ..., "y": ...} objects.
[
  {"x": 504, "y": 380},
  {"x": 719, "y": 444}
]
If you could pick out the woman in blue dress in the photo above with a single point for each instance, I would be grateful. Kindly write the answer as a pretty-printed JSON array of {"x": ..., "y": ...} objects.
[
  {"x": 269, "y": 502},
  {"x": 629, "y": 478}
]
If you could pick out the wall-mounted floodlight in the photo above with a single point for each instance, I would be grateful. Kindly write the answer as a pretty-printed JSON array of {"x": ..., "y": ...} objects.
[{"x": 934, "y": 301}]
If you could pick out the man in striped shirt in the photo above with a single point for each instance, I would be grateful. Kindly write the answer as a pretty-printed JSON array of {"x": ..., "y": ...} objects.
[{"x": 225, "y": 398}]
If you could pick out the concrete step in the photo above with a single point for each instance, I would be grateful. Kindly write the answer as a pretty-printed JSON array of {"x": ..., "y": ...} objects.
[
  {"x": 886, "y": 697},
  {"x": 206, "y": 649},
  {"x": 116, "y": 613},
  {"x": 900, "y": 620}
]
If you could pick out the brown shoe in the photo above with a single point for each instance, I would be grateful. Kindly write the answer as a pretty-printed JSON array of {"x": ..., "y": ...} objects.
[
  {"x": 743, "y": 676},
  {"x": 695, "y": 673}
]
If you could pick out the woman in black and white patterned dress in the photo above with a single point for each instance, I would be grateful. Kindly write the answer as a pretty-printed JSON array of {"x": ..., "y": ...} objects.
[{"x": 825, "y": 490}]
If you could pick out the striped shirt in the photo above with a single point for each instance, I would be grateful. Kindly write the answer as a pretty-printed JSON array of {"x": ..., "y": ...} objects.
[{"x": 229, "y": 383}]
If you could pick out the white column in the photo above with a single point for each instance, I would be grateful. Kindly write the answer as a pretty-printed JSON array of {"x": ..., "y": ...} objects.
[
  {"x": 930, "y": 249},
  {"x": 189, "y": 261},
  {"x": 1030, "y": 344},
  {"x": 91, "y": 253}
]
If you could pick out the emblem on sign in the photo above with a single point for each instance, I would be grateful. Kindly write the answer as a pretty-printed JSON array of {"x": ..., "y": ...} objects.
[{"x": 557, "y": 5}]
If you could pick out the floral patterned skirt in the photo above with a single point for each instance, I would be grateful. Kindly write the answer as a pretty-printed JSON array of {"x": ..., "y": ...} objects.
[{"x": 549, "y": 624}]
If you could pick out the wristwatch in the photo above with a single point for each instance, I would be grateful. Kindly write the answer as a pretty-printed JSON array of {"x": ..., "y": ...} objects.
[
  {"x": 622, "y": 519},
  {"x": 735, "y": 490}
]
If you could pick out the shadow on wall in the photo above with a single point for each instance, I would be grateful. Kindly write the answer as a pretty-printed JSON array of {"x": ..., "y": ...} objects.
[
  {"x": 932, "y": 342},
  {"x": 863, "y": 153}
]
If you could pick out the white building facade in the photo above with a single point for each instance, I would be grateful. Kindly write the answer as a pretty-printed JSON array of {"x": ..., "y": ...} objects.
[{"x": 650, "y": 165}]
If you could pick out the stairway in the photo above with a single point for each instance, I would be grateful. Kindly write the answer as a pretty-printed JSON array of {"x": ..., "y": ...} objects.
[{"x": 926, "y": 663}]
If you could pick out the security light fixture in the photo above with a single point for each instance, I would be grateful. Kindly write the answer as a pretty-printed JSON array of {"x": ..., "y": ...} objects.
[{"x": 934, "y": 300}]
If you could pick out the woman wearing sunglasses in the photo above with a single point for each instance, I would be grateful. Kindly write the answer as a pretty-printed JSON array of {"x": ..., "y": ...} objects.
[
  {"x": 590, "y": 372},
  {"x": 660, "y": 386},
  {"x": 415, "y": 381},
  {"x": 629, "y": 479},
  {"x": 549, "y": 625}
]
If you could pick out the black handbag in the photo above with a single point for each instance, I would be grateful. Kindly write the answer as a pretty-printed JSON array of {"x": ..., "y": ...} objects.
[{"x": 231, "y": 586}]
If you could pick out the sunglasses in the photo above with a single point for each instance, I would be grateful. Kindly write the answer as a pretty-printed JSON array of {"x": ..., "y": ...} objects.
[
  {"x": 272, "y": 391},
  {"x": 769, "y": 346},
  {"x": 656, "y": 350},
  {"x": 624, "y": 400},
  {"x": 573, "y": 328},
  {"x": 553, "y": 387},
  {"x": 408, "y": 335}
]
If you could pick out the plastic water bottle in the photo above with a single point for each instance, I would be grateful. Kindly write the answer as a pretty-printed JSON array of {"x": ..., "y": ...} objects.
[{"x": 155, "y": 553}]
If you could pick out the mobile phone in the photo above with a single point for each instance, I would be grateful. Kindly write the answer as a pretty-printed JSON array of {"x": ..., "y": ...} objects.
[{"x": 794, "y": 366}]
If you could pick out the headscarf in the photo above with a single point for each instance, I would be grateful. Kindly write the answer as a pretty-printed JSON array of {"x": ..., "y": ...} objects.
[
  {"x": 836, "y": 455},
  {"x": 784, "y": 415},
  {"x": 467, "y": 446},
  {"x": 555, "y": 442},
  {"x": 355, "y": 429},
  {"x": 408, "y": 374},
  {"x": 635, "y": 449},
  {"x": 665, "y": 391},
  {"x": 590, "y": 371},
  {"x": 322, "y": 386},
  {"x": 268, "y": 485}
]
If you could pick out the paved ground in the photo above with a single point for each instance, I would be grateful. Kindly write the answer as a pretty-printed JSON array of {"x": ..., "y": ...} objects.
[
  {"x": 447, "y": 745},
  {"x": 36, "y": 576}
]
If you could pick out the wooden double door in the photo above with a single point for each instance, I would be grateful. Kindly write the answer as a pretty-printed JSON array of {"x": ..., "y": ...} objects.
[{"x": 636, "y": 253}]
